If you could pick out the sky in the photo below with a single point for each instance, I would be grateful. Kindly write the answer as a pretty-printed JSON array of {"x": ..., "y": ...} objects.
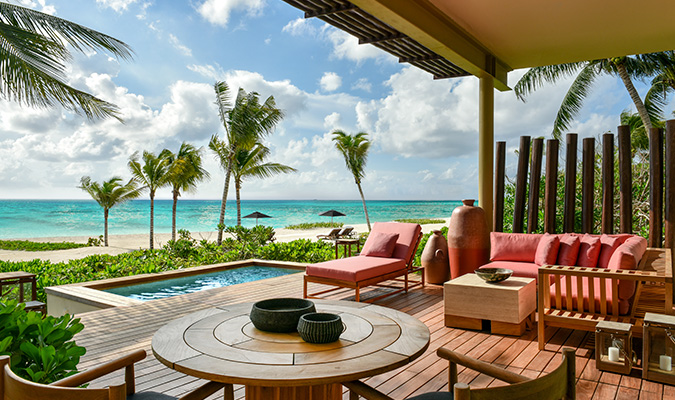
[{"x": 424, "y": 132}]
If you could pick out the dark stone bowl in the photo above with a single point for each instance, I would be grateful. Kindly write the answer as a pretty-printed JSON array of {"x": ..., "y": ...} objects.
[
  {"x": 493, "y": 275},
  {"x": 280, "y": 315},
  {"x": 320, "y": 327}
]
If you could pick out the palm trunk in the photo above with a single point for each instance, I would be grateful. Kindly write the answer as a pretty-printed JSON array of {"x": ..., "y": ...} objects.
[
  {"x": 365, "y": 210},
  {"x": 221, "y": 220},
  {"x": 237, "y": 186},
  {"x": 173, "y": 217},
  {"x": 105, "y": 226},
  {"x": 639, "y": 105},
  {"x": 152, "y": 220}
]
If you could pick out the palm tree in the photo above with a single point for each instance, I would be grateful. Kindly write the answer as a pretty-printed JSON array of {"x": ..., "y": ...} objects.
[
  {"x": 663, "y": 83},
  {"x": 626, "y": 68},
  {"x": 251, "y": 164},
  {"x": 34, "y": 51},
  {"x": 186, "y": 171},
  {"x": 354, "y": 149},
  {"x": 246, "y": 123},
  {"x": 153, "y": 174},
  {"x": 109, "y": 194}
]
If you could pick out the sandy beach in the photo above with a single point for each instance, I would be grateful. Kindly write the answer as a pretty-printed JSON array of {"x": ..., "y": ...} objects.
[{"x": 119, "y": 244}]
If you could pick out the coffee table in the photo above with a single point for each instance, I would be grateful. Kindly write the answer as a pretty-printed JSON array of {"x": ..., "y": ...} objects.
[
  {"x": 508, "y": 305},
  {"x": 221, "y": 344}
]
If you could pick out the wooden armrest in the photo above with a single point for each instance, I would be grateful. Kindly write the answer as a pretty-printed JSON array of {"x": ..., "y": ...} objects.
[
  {"x": 208, "y": 389},
  {"x": 104, "y": 369},
  {"x": 623, "y": 274},
  {"x": 480, "y": 366},
  {"x": 366, "y": 391}
]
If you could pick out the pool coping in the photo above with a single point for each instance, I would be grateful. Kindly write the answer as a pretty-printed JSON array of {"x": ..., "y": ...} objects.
[{"x": 88, "y": 296}]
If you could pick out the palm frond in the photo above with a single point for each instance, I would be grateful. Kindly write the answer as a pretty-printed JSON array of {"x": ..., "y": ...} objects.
[
  {"x": 573, "y": 100},
  {"x": 537, "y": 76}
]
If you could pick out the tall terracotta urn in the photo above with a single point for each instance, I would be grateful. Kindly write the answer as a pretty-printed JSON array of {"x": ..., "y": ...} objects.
[
  {"x": 434, "y": 259},
  {"x": 468, "y": 239}
]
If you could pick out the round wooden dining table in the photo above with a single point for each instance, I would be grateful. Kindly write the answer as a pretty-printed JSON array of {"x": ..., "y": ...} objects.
[{"x": 221, "y": 344}]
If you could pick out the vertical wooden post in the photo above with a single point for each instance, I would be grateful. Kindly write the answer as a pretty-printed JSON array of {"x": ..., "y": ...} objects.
[
  {"x": 551, "y": 189},
  {"x": 655, "y": 187},
  {"x": 625, "y": 181},
  {"x": 570, "y": 183},
  {"x": 486, "y": 139},
  {"x": 535, "y": 183},
  {"x": 587, "y": 183},
  {"x": 500, "y": 168},
  {"x": 670, "y": 184},
  {"x": 607, "y": 183},
  {"x": 521, "y": 183}
]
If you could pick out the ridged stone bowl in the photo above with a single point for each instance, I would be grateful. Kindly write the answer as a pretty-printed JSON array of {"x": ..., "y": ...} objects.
[
  {"x": 320, "y": 327},
  {"x": 280, "y": 315},
  {"x": 493, "y": 275}
]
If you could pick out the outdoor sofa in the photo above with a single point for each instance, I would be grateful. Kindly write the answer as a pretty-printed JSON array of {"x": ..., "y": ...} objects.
[{"x": 388, "y": 254}]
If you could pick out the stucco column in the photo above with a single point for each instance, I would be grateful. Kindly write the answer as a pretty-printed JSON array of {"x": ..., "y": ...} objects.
[{"x": 486, "y": 136}]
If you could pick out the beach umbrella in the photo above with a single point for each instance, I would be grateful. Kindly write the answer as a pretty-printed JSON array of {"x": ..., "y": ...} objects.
[
  {"x": 256, "y": 215},
  {"x": 331, "y": 214}
]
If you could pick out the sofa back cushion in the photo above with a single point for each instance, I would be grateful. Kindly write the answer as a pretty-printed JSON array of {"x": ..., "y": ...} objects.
[
  {"x": 547, "y": 250},
  {"x": 569, "y": 249},
  {"x": 408, "y": 236},
  {"x": 628, "y": 256},
  {"x": 589, "y": 251},
  {"x": 513, "y": 246},
  {"x": 380, "y": 244}
]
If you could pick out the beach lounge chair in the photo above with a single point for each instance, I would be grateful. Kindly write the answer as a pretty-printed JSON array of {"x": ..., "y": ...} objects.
[
  {"x": 346, "y": 232},
  {"x": 332, "y": 235},
  {"x": 388, "y": 254}
]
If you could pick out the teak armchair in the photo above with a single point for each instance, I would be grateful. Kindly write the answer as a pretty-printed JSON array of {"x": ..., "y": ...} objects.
[
  {"x": 13, "y": 387},
  {"x": 559, "y": 384}
]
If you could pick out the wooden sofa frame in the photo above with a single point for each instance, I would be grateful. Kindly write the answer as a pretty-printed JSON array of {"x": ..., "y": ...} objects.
[
  {"x": 653, "y": 293},
  {"x": 374, "y": 281}
]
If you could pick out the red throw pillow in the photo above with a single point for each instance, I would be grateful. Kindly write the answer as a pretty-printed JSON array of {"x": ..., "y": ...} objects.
[
  {"x": 589, "y": 251},
  {"x": 547, "y": 250},
  {"x": 607, "y": 246},
  {"x": 569, "y": 249},
  {"x": 513, "y": 246},
  {"x": 380, "y": 244}
]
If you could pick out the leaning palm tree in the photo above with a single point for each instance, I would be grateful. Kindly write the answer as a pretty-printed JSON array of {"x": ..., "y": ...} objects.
[
  {"x": 109, "y": 194},
  {"x": 34, "y": 52},
  {"x": 354, "y": 149},
  {"x": 626, "y": 68},
  {"x": 186, "y": 171},
  {"x": 251, "y": 164},
  {"x": 663, "y": 83},
  {"x": 153, "y": 174},
  {"x": 246, "y": 122}
]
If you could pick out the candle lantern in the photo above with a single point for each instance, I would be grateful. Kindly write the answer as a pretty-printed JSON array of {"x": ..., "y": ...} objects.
[
  {"x": 613, "y": 347},
  {"x": 659, "y": 348}
]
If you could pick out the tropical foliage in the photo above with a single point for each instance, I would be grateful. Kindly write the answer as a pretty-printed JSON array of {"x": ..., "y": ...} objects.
[
  {"x": 34, "y": 52},
  {"x": 354, "y": 149},
  {"x": 27, "y": 245},
  {"x": 109, "y": 194}
]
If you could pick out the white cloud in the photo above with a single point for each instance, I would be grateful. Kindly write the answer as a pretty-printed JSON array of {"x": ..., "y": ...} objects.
[
  {"x": 299, "y": 27},
  {"x": 175, "y": 42},
  {"x": 346, "y": 46},
  {"x": 363, "y": 84},
  {"x": 330, "y": 82},
  {"x": 117, "y": 5},
  {"x": 217, "y": 12},
  {"x": 43, "y": 6}
]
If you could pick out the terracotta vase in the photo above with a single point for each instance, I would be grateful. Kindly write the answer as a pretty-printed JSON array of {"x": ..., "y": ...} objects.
[
  {"x": 468, "y": 239},
  {"x": 434, "y": 259}
]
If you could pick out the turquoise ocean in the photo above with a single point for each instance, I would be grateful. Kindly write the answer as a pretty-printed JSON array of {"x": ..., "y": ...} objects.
[{"x": 46, "y": 218}]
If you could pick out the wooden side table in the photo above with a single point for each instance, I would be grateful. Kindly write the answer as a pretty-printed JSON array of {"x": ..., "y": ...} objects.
[
  {"x": 20, "y": 278},
  {"x": 346, "y": 244},
  {"x": 509, "y": 305}
]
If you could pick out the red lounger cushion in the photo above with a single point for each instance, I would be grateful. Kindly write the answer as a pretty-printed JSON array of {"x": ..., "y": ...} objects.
[
  {"x": 354, "y": 269},
  {"x": 513, "y": 246},
  {"x": 519, "y": 268},
  {"x": 624, "y": 305},
  {"x": 407, "y": 237}
]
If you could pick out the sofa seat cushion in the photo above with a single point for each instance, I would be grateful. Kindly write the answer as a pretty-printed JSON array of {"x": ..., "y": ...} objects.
[
  {"x": 624, "y": 305},
  {"x": 519, "y": 268},
  {"x": 354, "y": 269},
  {"x": 513, "y": 246}
]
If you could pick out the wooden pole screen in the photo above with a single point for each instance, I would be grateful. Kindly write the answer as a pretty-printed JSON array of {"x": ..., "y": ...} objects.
[
  {"x": 587, "y": 183},
  {"x": 625, "y": 181},
  {"x": 607, "y": 183},
  {"x": 670, "y": 184},
  {"x": 500, "y": 166},
  {"x": 551, "y": 188},
  {"x": 570, "y": 182},
  {"x": 521, "y": 183},
  {"x": 655, "y": 187},
  {"x": 535, "y": 182}
]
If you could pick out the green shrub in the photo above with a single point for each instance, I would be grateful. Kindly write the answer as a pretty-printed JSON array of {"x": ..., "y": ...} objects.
[
  {"x": 27, "y": 245},
  {"x": 40, "y": 349}
]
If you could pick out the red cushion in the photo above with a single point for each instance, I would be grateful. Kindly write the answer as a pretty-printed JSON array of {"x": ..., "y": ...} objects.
[
  {"x": 624, "y": 305},
  {"x": 547, "y": 250},
  {"x": 513, "y": 246},
  {"x": 607, "y": 246},
  {"x": 380, "y": 244},
  {"x": 519, "y": 268},
  {"x": 589, "y": 251},
  {"x": 408, "y": 235},
  {"x": 354, "y": 269},
  {"x": 628, "y": 256},
  {"x": 569, "y": 249}
]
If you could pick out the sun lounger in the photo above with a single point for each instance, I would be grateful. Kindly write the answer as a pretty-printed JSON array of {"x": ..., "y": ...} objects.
[
  {"x": 346, "y": 232},
  {"x": 388, "y": 254},
  {"x": 332, "y": 235}
]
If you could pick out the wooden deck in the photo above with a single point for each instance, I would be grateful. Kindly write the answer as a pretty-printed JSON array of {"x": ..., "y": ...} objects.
[{"x": 112, "y": 332}]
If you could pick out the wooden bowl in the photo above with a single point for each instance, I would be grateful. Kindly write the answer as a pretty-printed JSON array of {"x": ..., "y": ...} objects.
[
  {"x": 320, "y": 327},
  {"x": 493, "y": 275},
  {"x": 280, "y": 315}
]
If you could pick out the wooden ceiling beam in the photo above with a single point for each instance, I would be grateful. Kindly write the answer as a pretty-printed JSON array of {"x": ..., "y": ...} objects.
[{"x": 330, "y": 11}]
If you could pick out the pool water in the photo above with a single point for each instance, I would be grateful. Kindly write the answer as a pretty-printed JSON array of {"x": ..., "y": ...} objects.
[{"x": 194, "y": 283}]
